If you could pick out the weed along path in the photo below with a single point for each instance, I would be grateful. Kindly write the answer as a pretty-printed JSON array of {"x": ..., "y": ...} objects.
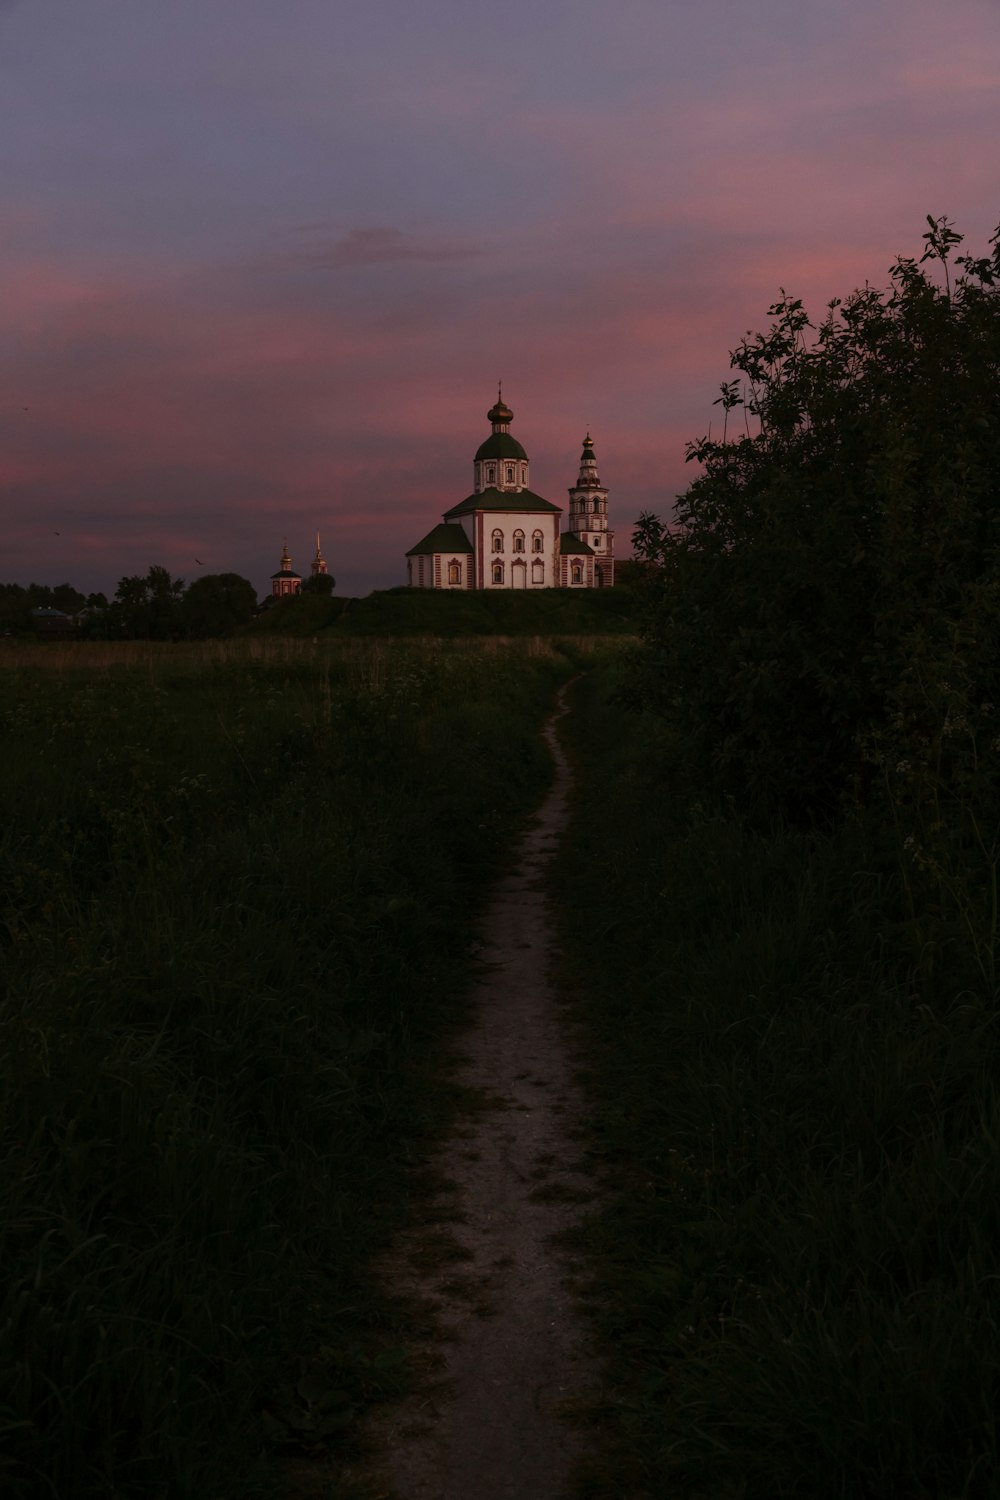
[{"x": 489, "y": 1422}]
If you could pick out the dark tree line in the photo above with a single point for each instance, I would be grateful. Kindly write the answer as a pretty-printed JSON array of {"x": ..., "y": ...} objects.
[{"x": 151, "y": 606}]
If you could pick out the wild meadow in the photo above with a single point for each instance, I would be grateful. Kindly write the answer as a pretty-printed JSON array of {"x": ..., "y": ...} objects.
[{"x": 238, "y": 888}]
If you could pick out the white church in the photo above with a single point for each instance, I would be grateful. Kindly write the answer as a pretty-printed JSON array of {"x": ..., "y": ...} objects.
[{"x": 503, "y": 536}]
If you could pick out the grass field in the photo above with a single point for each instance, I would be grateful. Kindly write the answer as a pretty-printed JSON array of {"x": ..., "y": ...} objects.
[
  {"x": 799, "y": 1125},
  {"x": 238, "y": 884},
  {"x": 449, "y": 613}
]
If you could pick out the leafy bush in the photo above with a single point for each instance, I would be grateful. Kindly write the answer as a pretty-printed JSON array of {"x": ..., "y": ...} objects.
[{"x": 835, "y": 577}]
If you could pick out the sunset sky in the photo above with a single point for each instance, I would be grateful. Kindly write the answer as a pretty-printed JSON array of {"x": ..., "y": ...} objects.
[{"x": 262, "y": 262}]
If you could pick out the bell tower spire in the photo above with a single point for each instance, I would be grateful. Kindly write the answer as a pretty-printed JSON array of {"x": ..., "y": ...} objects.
[{"x": 588, "y": 516}]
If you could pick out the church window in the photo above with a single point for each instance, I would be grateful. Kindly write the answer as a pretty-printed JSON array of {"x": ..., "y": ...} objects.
[
  {"x": 537, "y": 542},
  {"x": 498, "y": 572},
  {"x": 595, "y": 541},
  {"x": 576, "y": 573},
  {"x": 491, "y": 473},
  {"x": 498, "y": 541},
  {"x": 454, "y": 572},
  {"x": 510, "y": 473},
  {"x": 524, "y": 473},
  {"x": 518, "y": 541}
]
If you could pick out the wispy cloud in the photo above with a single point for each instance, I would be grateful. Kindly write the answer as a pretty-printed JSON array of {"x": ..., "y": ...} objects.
[{"x": 380, "y": 246}]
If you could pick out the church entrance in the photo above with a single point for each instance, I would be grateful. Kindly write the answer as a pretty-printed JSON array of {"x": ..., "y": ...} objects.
[{"x": 519, "y": 575}]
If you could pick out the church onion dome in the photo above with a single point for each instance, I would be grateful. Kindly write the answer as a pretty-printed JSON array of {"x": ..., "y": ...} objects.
[
  {"x": 500, "y": 413},
  {"x": 500, "y": 445}
]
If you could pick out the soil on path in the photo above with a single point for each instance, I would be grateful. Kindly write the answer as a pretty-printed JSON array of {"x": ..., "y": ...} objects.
[{"x": 490, "y": 1422}]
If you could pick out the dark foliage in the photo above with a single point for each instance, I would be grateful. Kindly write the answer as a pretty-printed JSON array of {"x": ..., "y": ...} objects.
[
  {"x": 319, "y": 583},
  {"x": 217, "y": 604},
  {"x": 836, "y": 571}
]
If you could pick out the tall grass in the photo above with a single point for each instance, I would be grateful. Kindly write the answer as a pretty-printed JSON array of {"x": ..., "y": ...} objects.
[
  {"x": 797, "y": 1267},
  {"x": 237, "y": 890}
]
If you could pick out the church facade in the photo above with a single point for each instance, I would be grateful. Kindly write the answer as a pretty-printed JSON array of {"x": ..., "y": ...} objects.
[{"x": 504, "y": 536}]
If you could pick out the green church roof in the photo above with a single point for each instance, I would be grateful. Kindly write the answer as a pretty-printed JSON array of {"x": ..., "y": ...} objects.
[
  {"x": 500, "y": 445},
  {"x": 493, "y": 499},
  {"x": 570, "y": 542},
  {"x": 442, "y": 539}
]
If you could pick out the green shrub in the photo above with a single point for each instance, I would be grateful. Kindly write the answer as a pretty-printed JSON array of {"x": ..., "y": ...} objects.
[{"x": 834, "y": 575}]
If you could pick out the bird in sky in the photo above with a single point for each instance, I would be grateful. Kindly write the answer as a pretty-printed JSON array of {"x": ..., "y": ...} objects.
[{"x": 199, "y": 562}]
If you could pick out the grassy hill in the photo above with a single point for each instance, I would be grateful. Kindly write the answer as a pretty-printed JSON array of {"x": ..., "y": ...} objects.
[{"x": 440, "y": 612}]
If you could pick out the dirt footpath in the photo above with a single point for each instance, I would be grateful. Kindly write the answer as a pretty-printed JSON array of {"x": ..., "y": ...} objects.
[{"x": 487, "y": 1424}]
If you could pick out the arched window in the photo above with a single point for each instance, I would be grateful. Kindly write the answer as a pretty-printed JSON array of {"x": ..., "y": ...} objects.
[
  {"x": 510, "y": 473},
  {"x": 518, "y": 541},
  {"x": 537, "y": 542},
  {"x": 576, "y": 573},
  {"x": 491, "y": 473},
  {"x": 454, "y": 572},
  {"x": 498, "y": 572},
  {"x": 524, "y": 473},
  {"x": 498, "y": 541}
]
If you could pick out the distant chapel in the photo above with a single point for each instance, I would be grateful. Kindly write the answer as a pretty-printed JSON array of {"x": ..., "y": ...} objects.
[
  {"x": 286, "y": 581},
  {"x": 505, "y": 537}
]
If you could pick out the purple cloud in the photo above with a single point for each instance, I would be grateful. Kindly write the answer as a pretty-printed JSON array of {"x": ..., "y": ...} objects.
[{"x": 378, "y": 246}]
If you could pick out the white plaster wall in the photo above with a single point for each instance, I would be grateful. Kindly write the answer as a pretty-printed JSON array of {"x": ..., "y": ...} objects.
[
  {"x": 445, "y": 559},
  {"x": 508, "y": 522}
]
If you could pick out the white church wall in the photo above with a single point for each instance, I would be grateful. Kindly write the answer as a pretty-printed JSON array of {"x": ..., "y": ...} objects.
[{"x": 509, "y": 528}]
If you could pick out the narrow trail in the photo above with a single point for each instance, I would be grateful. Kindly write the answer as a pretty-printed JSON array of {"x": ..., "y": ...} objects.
[{"x": 487, "y": 1424}]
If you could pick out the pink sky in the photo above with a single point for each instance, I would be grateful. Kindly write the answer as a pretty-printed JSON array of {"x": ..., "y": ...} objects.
[{"x": 263, "y": 261}]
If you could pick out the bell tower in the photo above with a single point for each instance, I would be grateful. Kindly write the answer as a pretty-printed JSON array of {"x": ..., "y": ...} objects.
[{"x": 588, "y": 516}]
